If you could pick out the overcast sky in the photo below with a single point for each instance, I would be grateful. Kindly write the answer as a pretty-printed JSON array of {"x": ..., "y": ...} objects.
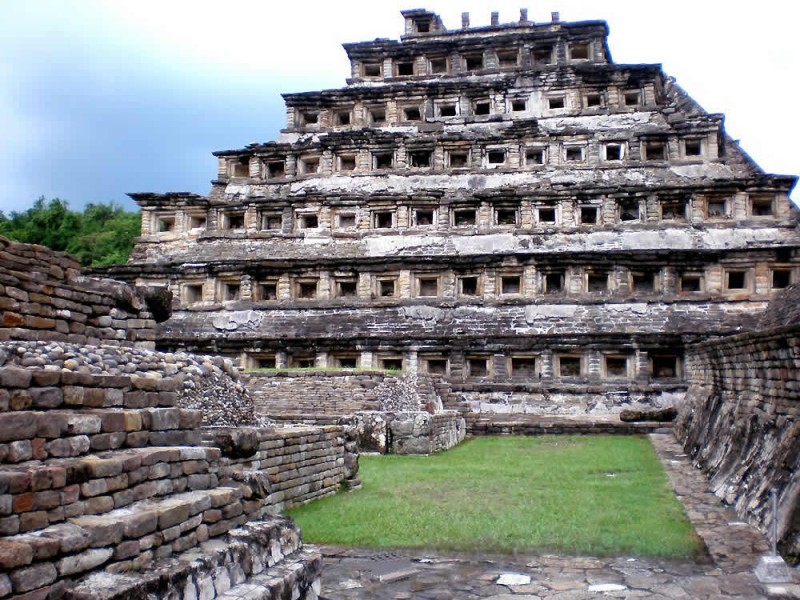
[{"x": 103, "y": 97}]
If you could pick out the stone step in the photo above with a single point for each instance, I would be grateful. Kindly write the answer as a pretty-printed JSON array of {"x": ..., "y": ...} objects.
[
  {"x": 261, "y": 557},
  {"x": 41, "y": 493},
  {"x": 26, "y": 435},
  {"x": 297, "y": 577},
  {"x": 130, "y": 537},
  {"x": 45, "y": 389}
]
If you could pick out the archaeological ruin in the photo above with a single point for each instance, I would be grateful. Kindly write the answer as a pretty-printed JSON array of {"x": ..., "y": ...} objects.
[
  {"x": 501, "y": 208},
  {"x": 488, "y": 230}
]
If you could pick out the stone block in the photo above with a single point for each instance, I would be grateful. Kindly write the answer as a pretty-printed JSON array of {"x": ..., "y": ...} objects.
[
  {"x": 52, "y": 424},
  {"x": 78, "y": 424},
  {"x": 102, "y": 467},
  {"x": 33, "y": 577},
  {"x": 71, "y": 493},
  {"x": 98, "y": 505},
  {"x": 190, "y": 419},
  {"x": 223, "y": 495},
  {"x": 94, "y": 397},
  {"x": 14, "y": 554},
  {"x": 46, "y": 378},
  {"x": 185, "y": 542},
  {"x": 171, "y": 533},
  {"x": 46, "y": 397},
  {"x": 9, "y": 525},
  {"x": 161, "y": 455},
  {"x": 70, "y": 538},
  {"x": 167, "y": 399},
  {"x": 95, "y": 487},
  {"x": 44, "y": 548},
  {"x": 46, "y": 499},
  {"x": 102, "y": 530},
  {"x": 18, "y": 426},
  {"x": 31, "y": 521},
  {"x": 159, "y": 471},
  {"x": 127, "y": 549},
  {"x": 73, "y": 395},
  {"x": 85, "y": 561},
  {"x": 115, "y": 397},
  {"x": 137, "y": 399},
  {"x": 15, "y": 377},
  {"x": 212, "y": 515},
  {"x": 19, "y": 451},
  {"x": 20, "y": 399},
  {"x": 172, "y": 514},
  {"x": 160, "y": 419},
  {"x": 140, "y": 523},
  {"x": 191, "y": 467},
  {"x": 119, "y": 482},
  {"x": 108, "y": 441},
  {"x": 69, "y": 446},
  {"x": 121, "y": 421},
  {"x": 199, "y": 481},
  {"x": 137, "y": 439}
]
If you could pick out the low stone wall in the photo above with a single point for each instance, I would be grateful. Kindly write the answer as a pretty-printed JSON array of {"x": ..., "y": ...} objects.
[
  {"x": 519, "y": 424},
  {"x": 207, "y": 383},
  {"x": 545, "y": 401},
  {"x": 741, "y": 423},
  {"x": 44, "y": 297},
  {"x": 404, "y": 432},
  {"x": 420, "y": 432},
  {"x": 317, "y": 393},
  {"x": 287, "y": 466}
]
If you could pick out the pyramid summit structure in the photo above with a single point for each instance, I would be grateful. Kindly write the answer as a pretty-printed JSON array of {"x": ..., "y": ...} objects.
[{"x": 502, "y": 207}]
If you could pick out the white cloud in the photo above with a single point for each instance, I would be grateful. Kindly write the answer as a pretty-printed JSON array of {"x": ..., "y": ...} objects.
[{"x": 162, "y": 61}]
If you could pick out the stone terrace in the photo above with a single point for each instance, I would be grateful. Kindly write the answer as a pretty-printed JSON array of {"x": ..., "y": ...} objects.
[{"x": 106, "y": 471}]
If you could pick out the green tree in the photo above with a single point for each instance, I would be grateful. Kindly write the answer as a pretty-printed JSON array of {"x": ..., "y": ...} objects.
[
  {"x": 107, "y": 236},
  {"x": 101, "y": 235},
  {"x": 50, "y": 224}
]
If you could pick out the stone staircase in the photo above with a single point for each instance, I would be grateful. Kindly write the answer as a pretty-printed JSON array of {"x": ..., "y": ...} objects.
[
  {"x": 107, "y": 492},
  {"x": 260, "y": 560}
]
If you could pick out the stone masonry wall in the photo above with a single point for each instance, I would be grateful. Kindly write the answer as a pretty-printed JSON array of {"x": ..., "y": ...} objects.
[
  {"x": 550, "y": 401},
  {"x": 43, "y": 297},
  {"x": 304, "y": 394},
  {"x": 207, "y": 383},
  {"x": 741, "y": 419},
  {"x": 783, "y": 310},
  {"x": 424, "y": 433},
  {"x": 107, "y": 472},
  {"x": 286, "y": 466}
]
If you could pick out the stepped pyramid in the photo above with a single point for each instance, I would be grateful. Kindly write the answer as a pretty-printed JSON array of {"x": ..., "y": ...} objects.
[{"x": 501, "y": 207}]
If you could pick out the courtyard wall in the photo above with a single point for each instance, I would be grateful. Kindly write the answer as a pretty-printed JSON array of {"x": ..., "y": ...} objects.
[{"x": 741, "y": 418}]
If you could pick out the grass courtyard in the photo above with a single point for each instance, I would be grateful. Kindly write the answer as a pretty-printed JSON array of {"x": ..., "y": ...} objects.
[{"x": 577, "y": 495}]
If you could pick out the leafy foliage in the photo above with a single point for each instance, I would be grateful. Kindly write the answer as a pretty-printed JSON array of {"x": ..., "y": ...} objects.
[{"x": 103, "y": 234}]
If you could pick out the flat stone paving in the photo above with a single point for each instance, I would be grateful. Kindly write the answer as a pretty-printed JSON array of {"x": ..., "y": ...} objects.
[{"x": 733, "y": 547}]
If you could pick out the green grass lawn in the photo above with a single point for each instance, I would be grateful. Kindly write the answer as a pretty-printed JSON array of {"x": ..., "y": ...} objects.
[{"x": 577, "y": 495}]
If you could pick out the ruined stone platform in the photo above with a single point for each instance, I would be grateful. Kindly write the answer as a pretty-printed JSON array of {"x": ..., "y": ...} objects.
[
  {"x": 531, "y": 424},
  {"x": 733, "y": 551}
]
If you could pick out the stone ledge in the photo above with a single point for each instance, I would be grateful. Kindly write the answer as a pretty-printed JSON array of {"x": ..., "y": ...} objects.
[{"x": 261, "y": 555}]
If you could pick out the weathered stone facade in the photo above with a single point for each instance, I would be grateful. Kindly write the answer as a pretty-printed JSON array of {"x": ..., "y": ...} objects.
[
  {"x": 504, "y": 207},
  {"x": 741, "y": 418}
]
